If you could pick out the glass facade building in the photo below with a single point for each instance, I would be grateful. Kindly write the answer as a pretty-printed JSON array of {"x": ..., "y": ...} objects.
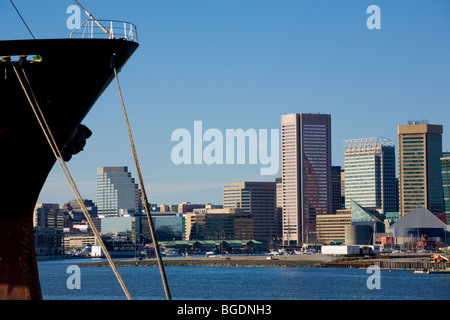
[
  {"x": 445, "y": 169},
  {"x": 219, "y": 224},
  {"x": 117, "y": 192},
  {"x": 168, "y": 227},
  {"x": 370, "y": 173},
  {"x": 306, "y": 174},
  {"x": 336, "y": 189},
  {"x": 420, "y": 181}
]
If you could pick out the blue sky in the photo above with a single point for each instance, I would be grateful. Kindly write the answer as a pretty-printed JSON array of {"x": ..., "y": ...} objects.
[{"x": 242, "y": 64}]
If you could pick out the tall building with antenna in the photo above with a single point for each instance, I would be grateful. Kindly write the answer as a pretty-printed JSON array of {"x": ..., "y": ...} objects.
[{"x": 419, "y": 165}]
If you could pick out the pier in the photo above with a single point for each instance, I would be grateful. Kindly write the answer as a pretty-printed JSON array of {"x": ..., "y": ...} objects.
[
  {"x": 412, "y": 262},
  {"x": 412, "y": 265}
]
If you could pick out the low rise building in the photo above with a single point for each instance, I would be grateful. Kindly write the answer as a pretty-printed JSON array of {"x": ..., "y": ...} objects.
[
  {"x": 75, "y": 241},
  {"x": 48, "y": 241},
  {"x": 222, "y": 224},
  {"x": 331, "y": 227},
  {"x": 416, "y": 227}
]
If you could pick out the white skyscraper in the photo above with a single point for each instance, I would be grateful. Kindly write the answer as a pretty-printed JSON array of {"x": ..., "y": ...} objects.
[
  {"x": 370, "y": 173},
  {"x": 117, "y": 192}
]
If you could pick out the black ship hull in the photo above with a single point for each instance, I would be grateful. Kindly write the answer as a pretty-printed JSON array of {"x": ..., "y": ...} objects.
[{"x": 68, "y": 80}]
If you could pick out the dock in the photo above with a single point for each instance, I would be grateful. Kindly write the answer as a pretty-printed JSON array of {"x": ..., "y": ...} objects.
[{"x": 405, "y": 262}]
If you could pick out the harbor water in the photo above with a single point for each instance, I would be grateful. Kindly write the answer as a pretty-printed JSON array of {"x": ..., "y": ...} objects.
[{"x": 61, "y": 282}]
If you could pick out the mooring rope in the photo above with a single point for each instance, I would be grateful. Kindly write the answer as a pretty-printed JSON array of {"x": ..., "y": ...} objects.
[
  {"x": 23, "y": 20},
  {"x": 49, "y": 136},
  {"x": 144, "y": 194}
]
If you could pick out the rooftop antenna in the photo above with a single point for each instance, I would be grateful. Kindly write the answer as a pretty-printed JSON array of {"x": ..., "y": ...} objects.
[{"x": 90, "y": 16}]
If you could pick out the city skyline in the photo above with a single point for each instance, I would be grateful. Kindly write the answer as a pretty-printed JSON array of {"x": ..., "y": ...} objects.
[
  {"x": 242, "y": 65},
  {"x": 243, "y": 178}
]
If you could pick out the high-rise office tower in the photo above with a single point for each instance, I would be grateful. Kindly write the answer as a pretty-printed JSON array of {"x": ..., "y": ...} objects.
[
  {"x": 419, "y": 165},
  {"x": 306, "y": 174},
  {"x": 117, "y": 192},
  {"x": 343, "y": 188},
  {"x": 279, "y": 205},
  {"x": 445, "y": 165},
  {"x": 336, "y": 188},
  {"x": 257, "y": 199},
  {"x": 370, "y": 173}
]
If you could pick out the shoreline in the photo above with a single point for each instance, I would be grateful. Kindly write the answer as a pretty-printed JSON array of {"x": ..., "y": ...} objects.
[
  {"x": 228, "y": 261},
  {"x": 291, "y": 261}
]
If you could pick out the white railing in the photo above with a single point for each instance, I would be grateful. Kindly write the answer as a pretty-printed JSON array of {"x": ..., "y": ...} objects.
[{"x": 109, "y": 29}]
